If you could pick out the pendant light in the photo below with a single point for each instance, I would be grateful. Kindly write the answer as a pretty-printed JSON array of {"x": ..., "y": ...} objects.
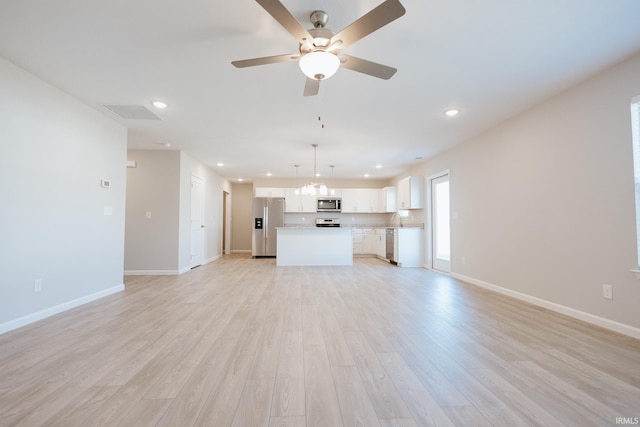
[{"x": 313, "y": 188}]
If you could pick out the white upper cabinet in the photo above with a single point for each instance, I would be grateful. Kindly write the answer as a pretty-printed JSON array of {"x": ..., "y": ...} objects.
[
  {"x": 269, "y": 192},
  {"x": 359, "y": 200},
  {"x": 334, "y": 192},
  {"x": 410, "y": 193},
  {"x": 387, "y": 199},
  {"x": 298, "y": 203},
  {"x": 308, "y": 203}
]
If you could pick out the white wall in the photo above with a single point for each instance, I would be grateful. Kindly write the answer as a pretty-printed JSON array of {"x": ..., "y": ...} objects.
[
  {"x": 242, "y": 218},
  {"x": 161, "y": 184},
  {"x": 214, "y": 185},
  {"x": 545, "y": 202},
  {"x": 55, "y": 151},
  {"x": 153, "y": 186}
]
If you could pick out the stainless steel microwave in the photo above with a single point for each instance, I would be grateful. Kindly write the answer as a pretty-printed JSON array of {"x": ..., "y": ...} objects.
[{"x": 332, "y": 204}]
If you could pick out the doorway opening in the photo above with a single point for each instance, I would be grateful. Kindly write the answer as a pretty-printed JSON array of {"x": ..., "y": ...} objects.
[{"x": 440, "y": 222}]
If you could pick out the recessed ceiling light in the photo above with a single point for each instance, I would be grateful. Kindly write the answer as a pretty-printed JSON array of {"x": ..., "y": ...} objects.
[
  {"x": 159, "y": 104},
  {"x": 269, "y": 173},
  {"x": 378, "y": 166},
  {"x": 366, "y": 175},
  {"x": 452, "y": 112},
  {"x": 220, "y": 164},
  {"x": 240, "y": 179}
]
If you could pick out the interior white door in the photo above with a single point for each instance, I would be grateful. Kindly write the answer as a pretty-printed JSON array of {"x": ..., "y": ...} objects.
[
  {"x": 197, "y": 221},
  {"x": 441, "y": 230}
]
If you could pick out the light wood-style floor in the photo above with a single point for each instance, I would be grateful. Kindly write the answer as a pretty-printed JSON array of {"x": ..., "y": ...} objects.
[{"x": 241, "y": 342}]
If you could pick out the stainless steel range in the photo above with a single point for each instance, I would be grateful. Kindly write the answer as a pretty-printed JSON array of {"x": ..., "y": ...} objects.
[{"x": 327, "y": 222}]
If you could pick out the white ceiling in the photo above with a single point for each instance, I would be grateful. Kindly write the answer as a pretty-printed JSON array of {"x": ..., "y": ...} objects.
[{"x": 491, "y": 59}]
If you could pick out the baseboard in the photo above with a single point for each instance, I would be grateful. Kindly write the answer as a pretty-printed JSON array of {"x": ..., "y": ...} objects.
[
  {"x": 153, "y": 272},
  {"x": 48, "y": 312},
  {"x": 214, "y": 258},
  {"x": 241, "y": 251},
  {"x": 611, "y": 325},
  {"x": 167, "y": 272}
]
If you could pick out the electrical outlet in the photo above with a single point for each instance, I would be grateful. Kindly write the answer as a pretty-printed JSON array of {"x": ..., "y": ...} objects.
[
  {"x": 37, "y": 286},
  {"x": 607, "y": 291}
]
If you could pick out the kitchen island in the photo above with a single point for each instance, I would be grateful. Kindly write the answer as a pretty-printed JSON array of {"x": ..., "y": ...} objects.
[{"x": 309, "y": 246}]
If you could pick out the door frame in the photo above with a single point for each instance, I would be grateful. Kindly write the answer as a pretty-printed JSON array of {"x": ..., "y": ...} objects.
[
  {"x": 429, "y": 217},
  {"x": 198, "y": 182},
  {"x": 225, "y": 223}
]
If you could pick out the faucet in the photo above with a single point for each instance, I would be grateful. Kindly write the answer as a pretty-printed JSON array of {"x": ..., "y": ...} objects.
[{"x": 396, "y": 215}]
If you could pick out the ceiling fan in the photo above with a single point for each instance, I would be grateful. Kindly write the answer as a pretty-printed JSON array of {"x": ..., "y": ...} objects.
[{"x": 320, "y": 56}]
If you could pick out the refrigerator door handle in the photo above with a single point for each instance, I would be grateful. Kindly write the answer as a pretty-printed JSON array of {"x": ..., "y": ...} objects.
[{"x": 265, "y": 229}]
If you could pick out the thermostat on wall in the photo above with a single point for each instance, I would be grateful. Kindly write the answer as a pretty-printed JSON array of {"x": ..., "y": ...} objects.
[{"x": 105, "y": 183}]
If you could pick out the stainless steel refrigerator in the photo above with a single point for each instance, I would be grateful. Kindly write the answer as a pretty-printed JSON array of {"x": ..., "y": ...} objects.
[{"x": 268, "y": 213}]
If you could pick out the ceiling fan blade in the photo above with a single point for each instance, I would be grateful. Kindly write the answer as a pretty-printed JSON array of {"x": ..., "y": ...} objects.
[
  {"x": 265, "y": 60},
  {"x": 367, "y": 67},
  {"x": 311, "y": 87},
  {"x": 286, "y": 19},
  {"x": 385, "y": 13}
]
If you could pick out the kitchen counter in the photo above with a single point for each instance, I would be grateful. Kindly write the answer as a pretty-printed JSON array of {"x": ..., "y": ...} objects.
[{"x": 310, "y": 246}]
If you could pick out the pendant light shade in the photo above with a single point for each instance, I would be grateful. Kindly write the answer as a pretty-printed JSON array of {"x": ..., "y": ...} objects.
[{"x": 319, "y": 65}]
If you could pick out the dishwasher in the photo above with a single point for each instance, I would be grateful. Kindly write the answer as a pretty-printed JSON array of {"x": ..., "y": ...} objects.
[{"x": 391, "y": 243}]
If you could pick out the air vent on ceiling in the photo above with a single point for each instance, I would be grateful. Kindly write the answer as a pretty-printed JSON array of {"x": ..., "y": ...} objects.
[{"x": 136, "y": 112}]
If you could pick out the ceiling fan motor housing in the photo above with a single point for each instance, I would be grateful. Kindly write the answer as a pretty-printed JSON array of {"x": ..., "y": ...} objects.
[
  {"x": 321, "y": 40},
  {"x": 319, "y": 18}
]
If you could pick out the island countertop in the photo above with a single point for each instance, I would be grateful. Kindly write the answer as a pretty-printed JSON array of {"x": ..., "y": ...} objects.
[{"x": 309, "y": 246}]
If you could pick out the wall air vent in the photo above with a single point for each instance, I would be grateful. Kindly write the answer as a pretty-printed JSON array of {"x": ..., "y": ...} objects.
[{"x": 133, "y": 112}]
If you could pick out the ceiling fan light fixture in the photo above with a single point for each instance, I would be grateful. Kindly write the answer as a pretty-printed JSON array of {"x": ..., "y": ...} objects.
[{"x": 319, "y": 65}]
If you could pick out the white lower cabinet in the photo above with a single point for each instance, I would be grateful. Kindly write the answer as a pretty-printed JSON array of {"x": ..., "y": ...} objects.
[
  {"x": 380, "y": 242},
  {"x": 370, "y": 241},
  {"x": 363, "y": 241},
  {"x": 409, "y": 249},
  {"x": 408, "y": 246},
  {"x": 357, "y": 241},
  {"x": 367, "y": 241}
]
